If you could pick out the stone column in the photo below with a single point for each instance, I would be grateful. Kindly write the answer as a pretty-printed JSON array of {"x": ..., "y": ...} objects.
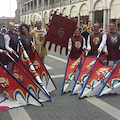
[
  {"x": 33, "y": 5},
  {"x": 92, "y": 17},
  {"x": 91, "y": 13},
  {"x": 78, "y": 19},
  {"x": 37, "y": 5},
  {"x": 108, "y": 17},
  {"x": 48, "y": 2},
  {"x": 104, "y": 19},
  {"x": 29, "y": 6},
  {"x": 43, "y": 19}
]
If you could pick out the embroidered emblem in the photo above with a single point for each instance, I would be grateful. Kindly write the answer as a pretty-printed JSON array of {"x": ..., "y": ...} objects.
[
  {"x": 96, "y": 40},
  {"x": 27, "y": 41},
  {"x": 61, "y": 32},
  {"x": 114, "y": 39},
  {"x": 77, "y": 44}
]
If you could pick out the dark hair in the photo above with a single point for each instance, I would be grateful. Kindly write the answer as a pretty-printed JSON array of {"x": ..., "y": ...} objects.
[
  {"x": 77, "y": 28},
  {"x": 23, "y": 25},
  {"x": 112, "y": 21}
]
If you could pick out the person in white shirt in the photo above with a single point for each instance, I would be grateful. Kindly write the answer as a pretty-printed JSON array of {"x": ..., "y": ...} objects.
[
  {"x": 94, "y": 40},
  {"x": 76, "y": 44},
  {"x": 11, "y": 43},
  {"x": 112, "y": 42}
]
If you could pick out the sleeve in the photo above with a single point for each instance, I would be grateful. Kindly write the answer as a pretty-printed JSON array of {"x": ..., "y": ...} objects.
[
  {"x": 45, "y": 32},
  {"x": 84, "y": 44},
  {"x": 69, "y": 44},
  {"x": 88, "y": 43},
  {"x": 103, "y": 43},
  {"x": 1, "y": 50},
  {"x": 7, "y": 42}
]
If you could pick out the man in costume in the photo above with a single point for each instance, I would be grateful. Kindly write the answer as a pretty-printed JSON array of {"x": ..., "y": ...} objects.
[
  {"x": 11, "y": 42},
  {"x": 76, "y": 44},
  {"x": 39, "y": 38},
  {"x": 112, "y": 42},
  {"x": 94, "y": 40}
]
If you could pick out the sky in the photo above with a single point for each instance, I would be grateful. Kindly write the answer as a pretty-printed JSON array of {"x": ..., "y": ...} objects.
[{"x": 7, "y": 8}]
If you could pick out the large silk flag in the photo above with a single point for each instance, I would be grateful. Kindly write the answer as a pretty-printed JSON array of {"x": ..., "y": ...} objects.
[
  {"x": 60, "y": 30},
  {"x": 112, "y": 84},
  {"x": 70, "y": 72},
  {"x": 43, "y": 73},
  {"x": 14, "y": 88},
  {"x": 95, "y": 81},
  {"x": 24, "y": 75},
  {"x": 84, "y": 72},
  {"x": 27, "y": 62}
]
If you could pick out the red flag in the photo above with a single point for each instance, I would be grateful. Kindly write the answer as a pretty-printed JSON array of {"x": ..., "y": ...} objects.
[
  {"x": 84, "y": 72},
  {"x": 60, "y": 30},
  {"x": 43, "y": 73},
  {"x": 14, "y": 88},
  {"x": 71, "y": 70},
  {"x": 23, "y": 74},
  {"x": 96, "y": 79},
  {"x": 112, "y": 85},
  {"x": 27, "y": 62}
]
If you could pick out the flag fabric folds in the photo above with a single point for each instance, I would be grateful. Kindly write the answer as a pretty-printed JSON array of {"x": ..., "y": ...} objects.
[
  {"x": 43, "y": 73},
  {"x": 112, "y": 84},
  {"x": 96, "y": 79},
  {"x": 27, "y": 62},
  {"x": 23, "y": 74},
  {"x": 60, "y": 30},
  {"x": 70, "y": 73},
  {"x": 84, "y": 72},
  {"x": 14, "y": 88}
]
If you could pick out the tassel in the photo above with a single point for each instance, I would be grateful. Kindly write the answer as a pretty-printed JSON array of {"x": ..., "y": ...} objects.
[
  {"x": 50, "y": 45},
  {"x": 55, "y": 48}
]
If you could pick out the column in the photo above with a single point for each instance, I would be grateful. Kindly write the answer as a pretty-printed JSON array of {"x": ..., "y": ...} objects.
[
  {"x": 78, "y": 19},
  {"x": 108, "y": 17},
  {"x": 48, "y": 3},
  {"x": 104, "y": 19},
  {"x": 29, "y": 6},
  {"x": 43, "y": 19},
  {"x": 92, "y": 17},
  {"x": 91, "y": 13},
  {"x": 37, "y": 5},
  {"x": 33, "y": 5}
]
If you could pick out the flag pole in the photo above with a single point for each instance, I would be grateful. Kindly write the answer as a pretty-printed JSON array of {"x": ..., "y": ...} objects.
[{"x": 41, "y": 88}]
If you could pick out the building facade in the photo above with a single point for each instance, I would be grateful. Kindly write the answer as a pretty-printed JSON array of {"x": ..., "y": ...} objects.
[{"x": 100, "y": 11}]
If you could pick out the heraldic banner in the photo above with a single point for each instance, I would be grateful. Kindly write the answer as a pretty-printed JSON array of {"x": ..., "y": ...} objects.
[{"x": 60, "y": 30}]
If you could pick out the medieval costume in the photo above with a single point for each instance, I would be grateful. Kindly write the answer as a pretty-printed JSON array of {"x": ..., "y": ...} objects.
[
  {"x": 112, "y": 41},
  {"x": 3, "y": 58},
  {"x": 11, "y": 44},
  {"x": 39, "y": 38},
  {"x": 76, "y": 44},
  {"x": 94, "y": 40}
]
